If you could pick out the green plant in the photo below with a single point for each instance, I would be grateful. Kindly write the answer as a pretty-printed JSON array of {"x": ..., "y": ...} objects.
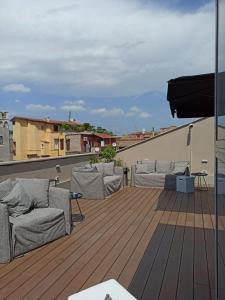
[
  {"x": 95, "y": 160},
  {"x": 119, "y": 162},
  {"x": 108, "y": 153}
]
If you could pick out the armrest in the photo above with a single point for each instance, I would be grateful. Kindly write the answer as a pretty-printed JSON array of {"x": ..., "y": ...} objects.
[
  {"x": 90, "y": 184},
  {"x": 5, "y": 235},
  {"x": 60, "y": 198},
  {"x": 132, "y": 178}
]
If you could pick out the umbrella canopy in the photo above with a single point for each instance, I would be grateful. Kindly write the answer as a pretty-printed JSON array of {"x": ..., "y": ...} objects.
[{"x": 192, "y": 96}]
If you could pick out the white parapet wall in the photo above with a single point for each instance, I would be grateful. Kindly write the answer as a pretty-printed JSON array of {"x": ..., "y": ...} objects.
[
  {"x": 193, "y": 142},
  {"x": 44, "y": 167}
]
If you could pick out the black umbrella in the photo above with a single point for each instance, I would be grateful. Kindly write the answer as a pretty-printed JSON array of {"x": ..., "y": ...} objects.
[{"x": 192, "y": 96}]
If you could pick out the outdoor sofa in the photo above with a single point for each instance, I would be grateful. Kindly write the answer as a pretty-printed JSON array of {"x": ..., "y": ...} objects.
[
  {"x": 97, "y": 181},
  {"x": 157, "y": 173},
  {"x": 31, "y": 215}
]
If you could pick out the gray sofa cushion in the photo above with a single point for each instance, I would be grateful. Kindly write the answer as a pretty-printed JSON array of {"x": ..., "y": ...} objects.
[
  {"x": 36, "y": 228},
  {"x": 100, "y": 167},
  {"x": 37, "y": 189},
  {"x": 180, "y": 167},
  {"x": 85, "y": 169},
  {"x": 150, "y": 164},
  {"x": 142, "y": 169},
  {"x": 156, "y": 180},
  {"x": 18, "y": 201},
  {"x": 5, "y": 188},
  {"x": 108, "y": 169},
  {"x": 112, "y": 184},
  {"x": 163, "y": 166}
]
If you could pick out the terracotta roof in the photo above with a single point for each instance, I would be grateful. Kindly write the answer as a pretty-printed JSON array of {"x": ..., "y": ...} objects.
[
  {"x": 105, "y": 135},
  {"x": 47, "y": 121}
]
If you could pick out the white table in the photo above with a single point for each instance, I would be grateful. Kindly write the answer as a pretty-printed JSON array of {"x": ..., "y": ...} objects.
[
  {"x": 99, "y": 292},
  {"x": 185, "y": 184}
]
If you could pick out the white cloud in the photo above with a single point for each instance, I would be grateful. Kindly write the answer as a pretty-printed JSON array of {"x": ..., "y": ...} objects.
[
  {"x": 113, "y": 112},
  {"x": 39, "y": 107},
  {"x": 73, "y": 106},
  {"x": 135, "y": 48},
  {"x": 137, "y": 112},
  {"x": 16, "y": 87},
  {"x": 118, "y": 112}
]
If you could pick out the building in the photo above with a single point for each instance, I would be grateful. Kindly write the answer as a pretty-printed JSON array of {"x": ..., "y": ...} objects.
[
  {"x": 165, "y": 129},
  {"x": 35, "y": 138},
  {"x": 134, "y": 137},
  {"x": 86, "y": 142},
  {"x": 5, "y": 153}
]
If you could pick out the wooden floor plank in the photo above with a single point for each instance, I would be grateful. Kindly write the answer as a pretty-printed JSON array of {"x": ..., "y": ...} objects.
[
  {"x": 111, "y": 266},
  {"x": 65, "y": 251},
  {"x": 153, "y": 285},
  {"x": 201, "y": 276},
  {"x": 107, "y": 251},
  {"x": 171, "y": 275},
  {"x": 157, "y": 243},
  {"x": 185, "y": 281}
]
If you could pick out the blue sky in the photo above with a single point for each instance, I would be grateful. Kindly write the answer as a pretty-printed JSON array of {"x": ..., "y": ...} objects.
[{"x": 107, "y": 63}]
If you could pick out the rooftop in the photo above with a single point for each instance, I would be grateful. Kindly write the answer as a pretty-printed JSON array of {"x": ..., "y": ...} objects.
[
  {"x": 46, "y": 120},
  {"x": 158, "y": 244}
]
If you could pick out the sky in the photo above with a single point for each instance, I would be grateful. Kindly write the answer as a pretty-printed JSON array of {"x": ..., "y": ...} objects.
[{"x": 106, "y": 61}]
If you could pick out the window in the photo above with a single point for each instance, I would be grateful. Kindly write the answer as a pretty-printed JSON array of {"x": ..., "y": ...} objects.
[
  {"x": 14, "y": 148},
  {"x": 1, "y": 140},
  {"x": 56, "y": 128},
  {"x": 68, "y": 145},
  {"x": 56, "y": 144},
  {"x": 61, "y": 144}
]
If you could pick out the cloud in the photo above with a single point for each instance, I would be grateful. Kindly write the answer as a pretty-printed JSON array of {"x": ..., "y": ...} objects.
[
  {"x": 113, "y": 112},
  {"x": 137, "y": 112},
  {"x": 73, "y": 106},
  {"x": 16, "y": 87},
  {"x": 135, "y": 48},
  {"x": 39, "y": 107},
  {"x": 118, "y": 112}
]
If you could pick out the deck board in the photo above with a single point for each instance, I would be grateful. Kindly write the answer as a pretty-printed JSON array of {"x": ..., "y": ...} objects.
[{"x": 158, "y": 244}]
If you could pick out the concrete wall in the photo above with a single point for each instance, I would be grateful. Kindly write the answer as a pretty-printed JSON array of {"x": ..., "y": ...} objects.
[
  {"x": 5, "y": 154},
  {"x": 43, "y": 168},
  {"x": 183, "y": 143}
]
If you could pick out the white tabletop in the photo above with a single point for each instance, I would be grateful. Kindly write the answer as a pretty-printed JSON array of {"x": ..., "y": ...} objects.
[{"x": 99, "y": 291}]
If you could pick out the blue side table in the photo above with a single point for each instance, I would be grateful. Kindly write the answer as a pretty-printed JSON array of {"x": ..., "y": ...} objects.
[{"x": 75, "y": 217}]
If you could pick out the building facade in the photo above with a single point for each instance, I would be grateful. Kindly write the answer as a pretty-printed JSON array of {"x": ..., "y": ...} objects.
[
  {"x": 5, "y": 151},
  {"x": 35, "y": 138},
  {"x": 86, "y": 142}
]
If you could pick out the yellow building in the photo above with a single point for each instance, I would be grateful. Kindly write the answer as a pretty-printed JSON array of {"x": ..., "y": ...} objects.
[{"x": 35, "y": 138}]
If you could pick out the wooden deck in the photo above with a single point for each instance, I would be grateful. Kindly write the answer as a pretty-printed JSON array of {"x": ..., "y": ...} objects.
[{"x": 158, "y": 244}]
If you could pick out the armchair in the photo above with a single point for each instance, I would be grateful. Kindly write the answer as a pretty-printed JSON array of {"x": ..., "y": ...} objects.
[
  {"x": 35, "y": 228},
  {"x": 98, "y": 181}
]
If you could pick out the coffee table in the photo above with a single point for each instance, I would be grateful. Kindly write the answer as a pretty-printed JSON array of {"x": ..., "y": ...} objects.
[
  {"x": 80, "y": 217},
  {"x": 109, "y": 289},
  {"x": 201, "y": 182}
]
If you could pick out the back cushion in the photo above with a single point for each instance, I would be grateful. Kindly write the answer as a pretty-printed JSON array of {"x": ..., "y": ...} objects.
[
  {"x": 18, "y": 201},
  {"x": 163, "y": 166},
  {"x": 37, "y": 189},
  {"x": 108, "y": 169},
  {"x": 5, "y": 188},
  {"x": 99, "y": 167},
  {"x": 180, "y": 167},
  {"x": 150, "y": 164},
  {"x": 141, "y": 169}
]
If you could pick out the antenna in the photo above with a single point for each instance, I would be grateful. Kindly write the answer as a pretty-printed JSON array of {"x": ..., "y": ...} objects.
[{"x": 69, "y": 115}]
